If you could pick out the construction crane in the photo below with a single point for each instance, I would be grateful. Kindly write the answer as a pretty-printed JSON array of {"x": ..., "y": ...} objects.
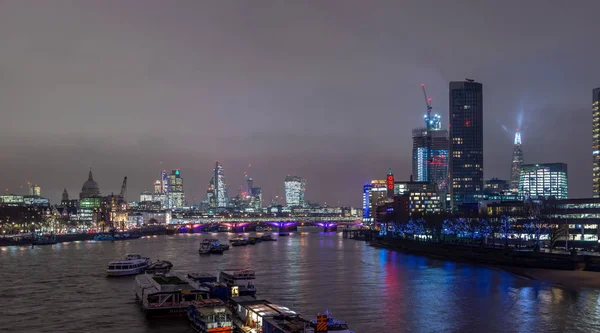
[
  {"x": 428, "y": 124},
  {"x": 427, "y": 101},
  {"x": 124, "y": 189}
]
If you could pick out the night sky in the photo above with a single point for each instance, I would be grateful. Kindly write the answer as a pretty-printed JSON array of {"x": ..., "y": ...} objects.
[{"x": 326, "y": 90}]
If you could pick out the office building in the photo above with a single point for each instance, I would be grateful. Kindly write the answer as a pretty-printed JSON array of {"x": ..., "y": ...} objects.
[
  {"x": 517, "y": 163},
  {"x": 216, "y": 194},
  {"x": 157, "y": 187},
  {"x": 424, "y": 196},
  {"x": 35, "y": 190},
  {"x": 430, "y": 153},
  {"x": 175, "y": 194},
  {"x": 466, "y": 143},
  {"x": 596, "y": 143},
  {"x": 374, "y": 194},
  {"x": 495, "y": 185},
  {"x": 146, "y": 196},
  {"x": 294, "y": 191},
  {"x": 544, "y": 180}
]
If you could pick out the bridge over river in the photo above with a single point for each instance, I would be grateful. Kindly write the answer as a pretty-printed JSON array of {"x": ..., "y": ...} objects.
[{"x": 240, "y": 224}]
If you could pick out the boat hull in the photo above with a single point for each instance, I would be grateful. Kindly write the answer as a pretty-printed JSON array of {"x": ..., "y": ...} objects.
[{"x": 125, "y": 272}]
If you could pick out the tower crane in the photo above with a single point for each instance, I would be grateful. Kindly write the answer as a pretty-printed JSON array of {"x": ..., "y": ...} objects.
[{"x": 428, "y": 124}]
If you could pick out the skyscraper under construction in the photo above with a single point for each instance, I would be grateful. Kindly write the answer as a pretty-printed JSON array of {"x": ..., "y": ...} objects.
[
  {"x": 430, "y": 150},
  {"x": 517, "y": 163},
  {"x": 217, "y": 189}
]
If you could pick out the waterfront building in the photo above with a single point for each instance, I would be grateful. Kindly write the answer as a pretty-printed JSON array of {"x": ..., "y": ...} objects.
[
  {"x": 544, "y": 180},
  {"x": 374, "y": 193},
  {"x": 430, "y": 152},
  {"x": 112, "y": 213},
  {"x": 424, "y": 196},
  {"x": 596, "y": 142},
  {"x": 294, "y": 191},
  {"x": 465, "y": 142},
  {"x": 389, "y": 184},
  {"x": 517, "y": 163}
]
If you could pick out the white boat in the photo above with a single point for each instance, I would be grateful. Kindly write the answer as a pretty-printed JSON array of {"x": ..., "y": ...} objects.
[
  {"x": 241, "y": 282},
  {"x": 132, "y": 264},
  {"x": 166, "y": 294}
]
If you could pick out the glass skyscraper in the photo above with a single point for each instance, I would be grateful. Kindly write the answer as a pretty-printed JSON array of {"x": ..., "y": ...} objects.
[
  {"x": 544, "y": 180},
  {"x": 294, "y": 191},
  {"x": 466, "y": 142},
  {"x": 596, "y": 142}
]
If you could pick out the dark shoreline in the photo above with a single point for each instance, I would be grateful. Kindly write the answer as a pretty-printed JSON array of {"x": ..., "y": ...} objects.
[
  {"x": 566, "y": 271},
  {"x": 146, "y": 231}
]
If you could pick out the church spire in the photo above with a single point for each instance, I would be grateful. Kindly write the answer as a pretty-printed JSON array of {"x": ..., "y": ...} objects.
[
  {"x": 65, "y": 195},
  {"x": 90, "y": 177}
]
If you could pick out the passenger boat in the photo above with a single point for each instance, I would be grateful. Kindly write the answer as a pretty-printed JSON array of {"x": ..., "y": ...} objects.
[
  {"x": 211, "y": 241},
  {"x": 160, "y": 266},
  {"x": 132, "y": 264},
  {"x": 205, "y": 248},
  {"x": 241, "y": 282},
  {"x": 104, "y": 237},
  {"x": 267, "y": 238},
  {"x": 225, "y": 247},
  {"x": 44, "y": 240},
  {"x": 210, "y": 316},
  {"x": 167, "y": 295},
  {"x": 333, "y": 325},
  {"x": 216, "y": 250}
]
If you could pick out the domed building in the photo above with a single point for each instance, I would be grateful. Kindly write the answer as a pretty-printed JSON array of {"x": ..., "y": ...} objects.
[{"x": 90, "y": 188}]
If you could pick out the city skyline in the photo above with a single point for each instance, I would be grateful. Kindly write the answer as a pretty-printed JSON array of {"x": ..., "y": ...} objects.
[{"x": 316, "y": 105}]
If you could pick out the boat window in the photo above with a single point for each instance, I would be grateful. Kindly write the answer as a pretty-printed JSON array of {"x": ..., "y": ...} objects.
[
  {"x": 117, "y": 266},
  {"x": 189, "y": 297},
  {"x": 111, "y": 267},
  {"x": 153, "y": 299}
]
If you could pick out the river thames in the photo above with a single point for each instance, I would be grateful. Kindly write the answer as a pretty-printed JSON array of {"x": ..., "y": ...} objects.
[{"x": 63, "y": 288}]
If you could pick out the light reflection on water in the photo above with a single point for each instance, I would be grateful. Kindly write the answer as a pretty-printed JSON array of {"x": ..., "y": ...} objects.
[{"x": 63, "y": 288}]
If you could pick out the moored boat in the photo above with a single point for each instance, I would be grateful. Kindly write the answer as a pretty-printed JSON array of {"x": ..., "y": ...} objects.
[
  {"x": 326, "y": 323},
  {"x": 132, "y": 264},
  {"x": 167, "y": 295},
  {"x": 267, "y": 238},
  {"x": 45, "y": 240},
  {"x": 284, "y": 234},
  {"x": 225, "y": 247},
  {"x": 210, "y": 316},
  {"x": 103, "y": 237},
  {"x": 160, "y": 266},
  {"x": 241, "y": 282},
  {"x": 216, "y": 250},
  {"x": 239, "y": 242}
]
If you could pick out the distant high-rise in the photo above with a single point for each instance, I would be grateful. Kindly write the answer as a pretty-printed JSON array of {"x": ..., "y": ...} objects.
[
  {"x": 35, "y": 190},
  {"x": 164, "y": 182},
  {"x": 596, "y": 142},
  {"x": 175, "y": 190},
  {"x": 157, "y": 187},
  {"x": 430, "y": 153},
  {"x": 294, "y": 191},
  {"x": 374, "y": 193},
  {"x": 216, "y": 194},
  {"x": 544, "y": 180},
  {"x": 466, "y": 142},
  {"x": 517, "y": 163}
]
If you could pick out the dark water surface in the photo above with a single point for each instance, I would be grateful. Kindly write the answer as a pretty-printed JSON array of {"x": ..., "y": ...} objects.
[{"x": 63, "y": 288}]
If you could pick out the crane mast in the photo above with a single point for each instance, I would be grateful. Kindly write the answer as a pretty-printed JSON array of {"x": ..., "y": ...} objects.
[{"x": 124, "y": 189}]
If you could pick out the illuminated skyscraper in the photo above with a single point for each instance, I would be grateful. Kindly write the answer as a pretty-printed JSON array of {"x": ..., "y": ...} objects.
[
  {"x": 294, "y": 191},
  {"x": 431, "y": 140},
  {"x": 596, "y": 142},
  {"x": 374, "y": 193},
  {"x": 544, "y": 180},
  {"x": 175, "y": 190},
  {"x": 35, "y": 190},
  {"x": 164, "y": 182},
  {"x": 466, "y": 142},
  {"x": 517, "y": 163},
  {"x": 157, "y": 187},
  {"x": 216, "y": 194}
]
